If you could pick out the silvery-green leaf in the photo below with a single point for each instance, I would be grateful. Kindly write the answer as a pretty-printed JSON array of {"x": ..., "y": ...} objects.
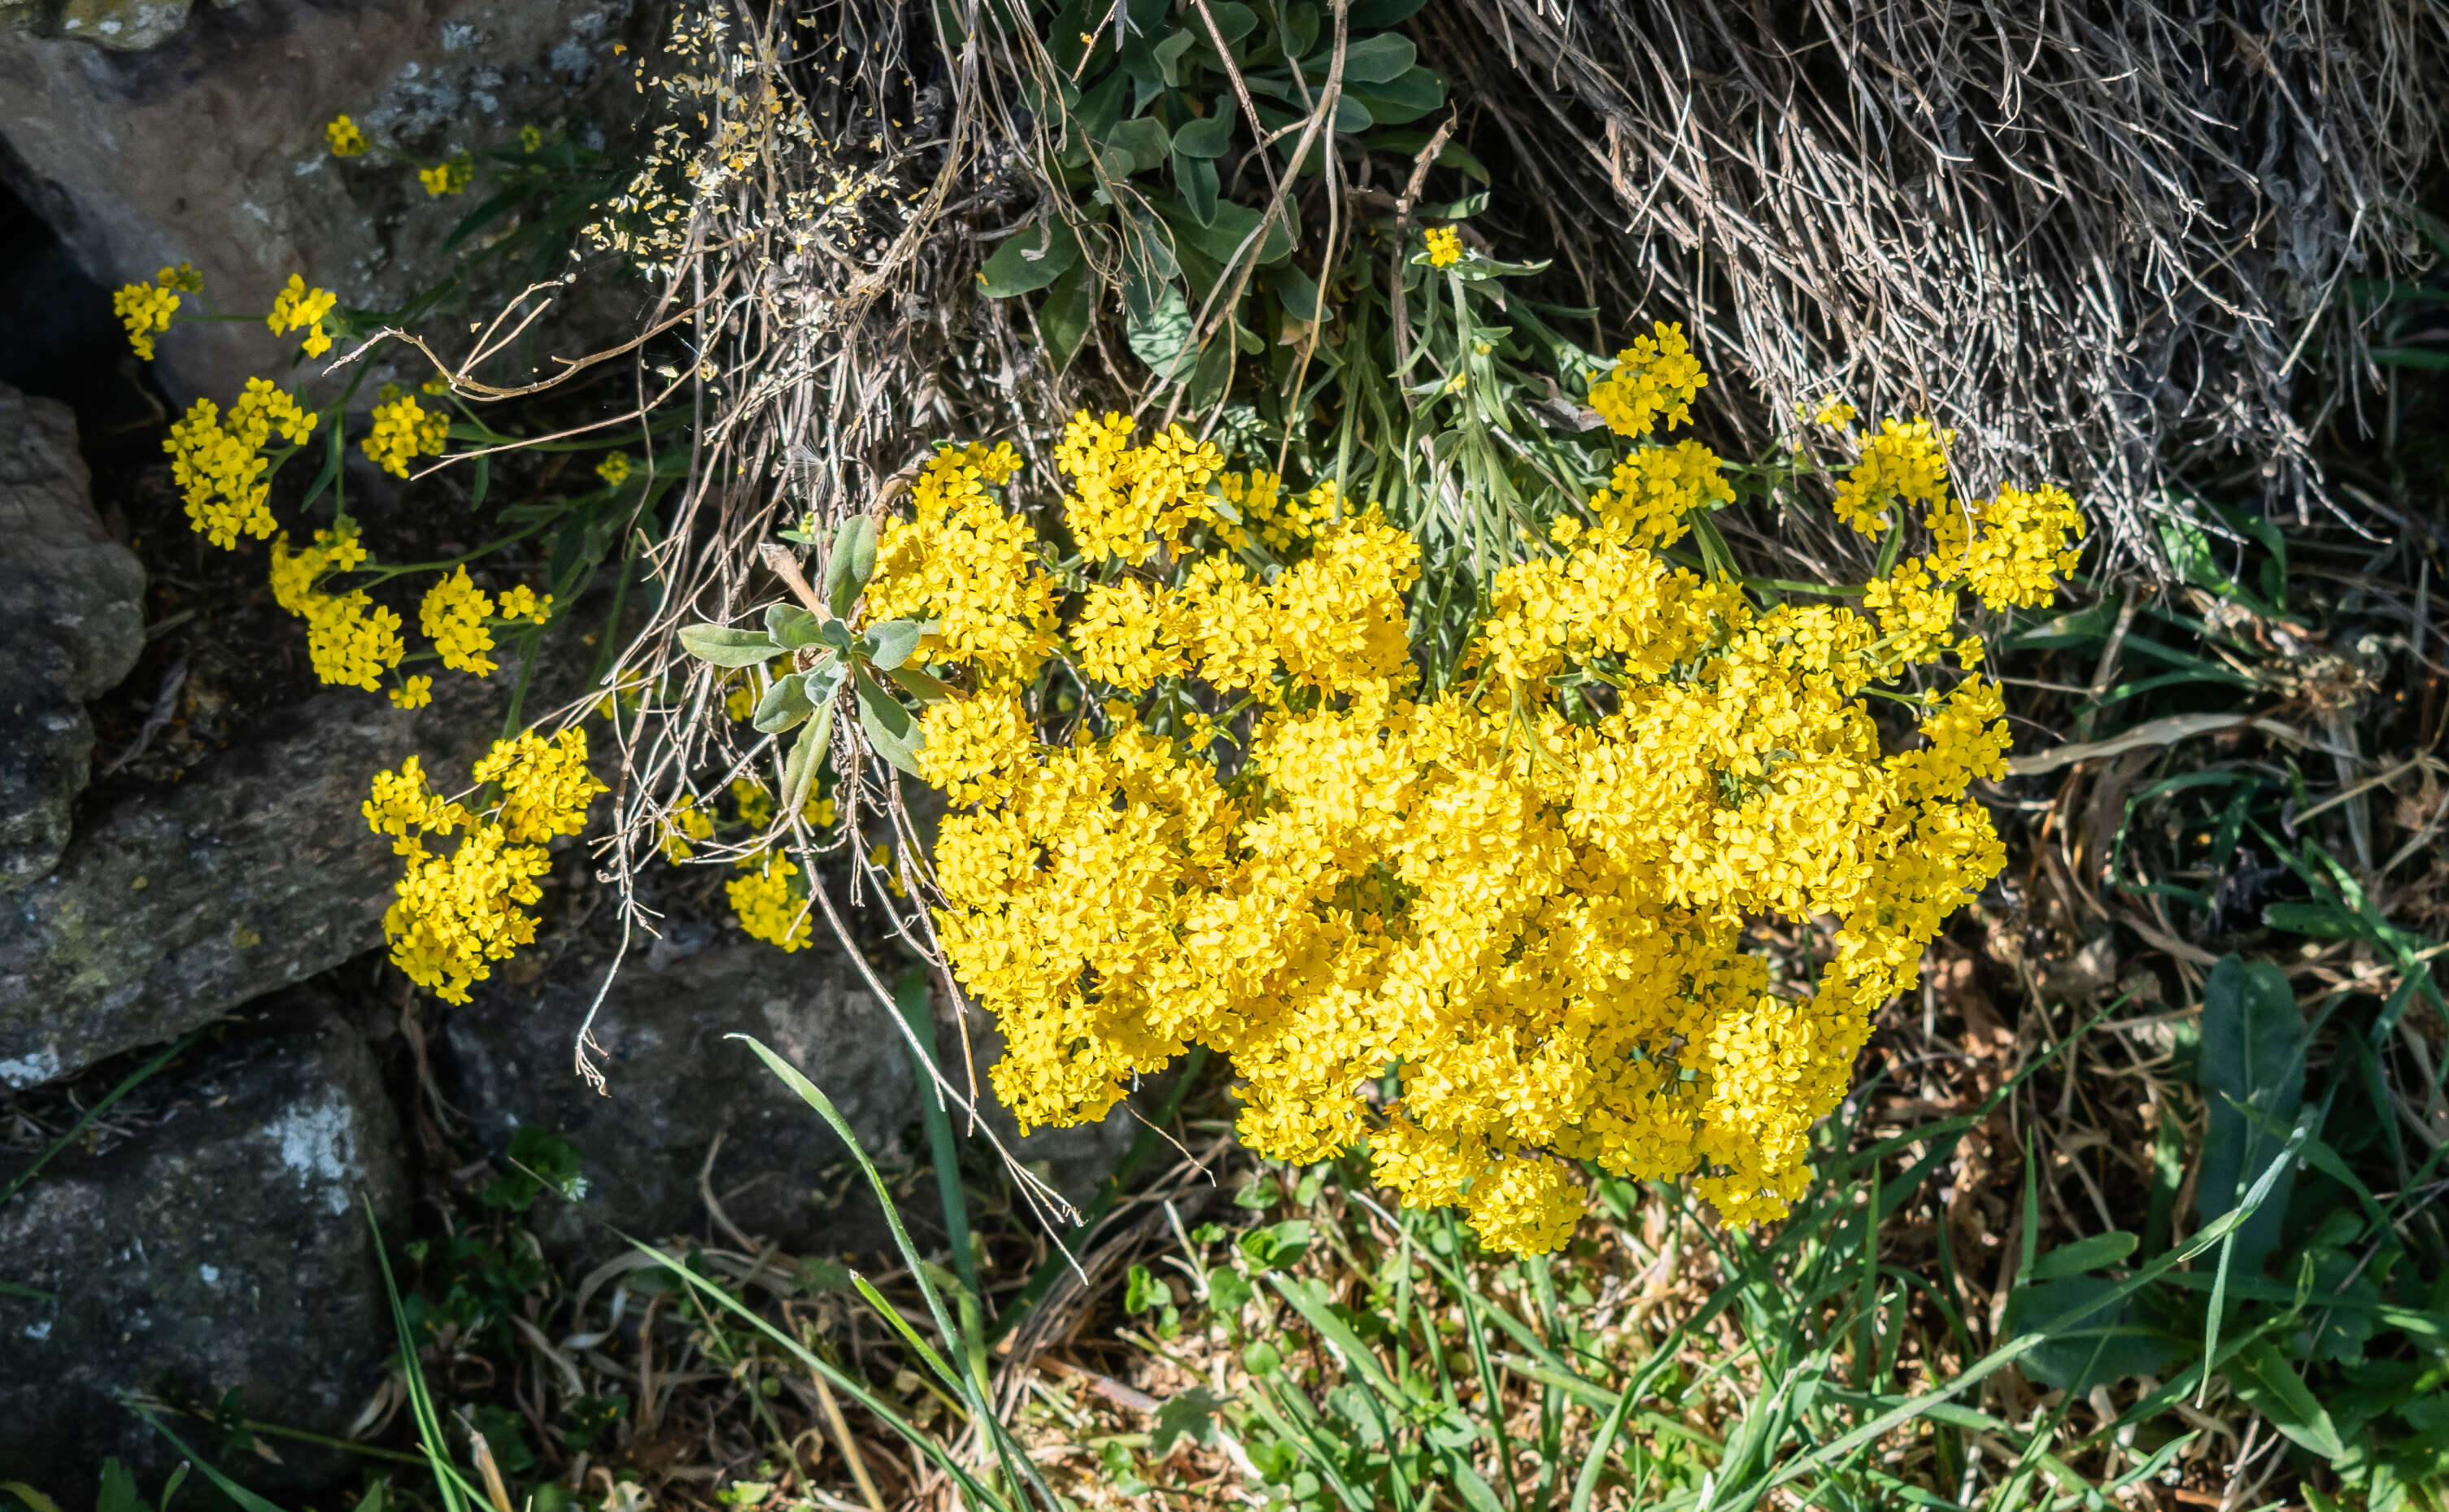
[
  {"x": 807, "y": 759},
  {"x": 790, "y": 627},
  {"x": 836, "y": 635},
  {"x": 726, "y": 647},
  {"x": 851, "y": 562},
  {"x": 901, "y": 748},
  {"x": 891, "y": 643},
  {"x": 784, "y": 705},
  {"x": 888, "y": 708}
]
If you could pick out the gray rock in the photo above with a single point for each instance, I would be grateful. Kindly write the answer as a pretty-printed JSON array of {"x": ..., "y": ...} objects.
[
  {"x": 675, "y": 1084},
  {"x": 206, "y": 146},
  {"x": 172, "y": 906},
  {"x": 71, "y": 616},
  {"x": 221, "y": 1245}
]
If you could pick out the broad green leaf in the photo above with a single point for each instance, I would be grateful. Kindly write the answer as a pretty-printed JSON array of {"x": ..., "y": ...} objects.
[
  {"x": 1208, "y": 135},
  {"x": 1169, "y": 56},
  {"x": 2093, "y": 1253},
  {"x": 790, "y": 627},
  {"x": 808, "y": 758},
  {"x": 1163, "y": 341},
  {"x": 726, "y": 647},
  {"x": 1191, "y": 1415},
  {"x": 850, "y": 564},
  {"x": 891, "y": 643},
  {"x": 1195, "y": 180},
  {"x": 784, "y": 705},
  {"x": 1297, "y": 291},
  {"x": 890, "y": 728},
  {"x": 2097, "y": 1345},
  {"x": 1029, "y": 258},
  {"x": 2263, "y": 1376},
  {"x": 2192, "y": 552},
  {"x": 1377, "y": 15},
  {"x": 1142, "y": 143},
  {"x": 1208, "y": 379},
  {"x": 1377, "y": 59},
  {"x": 1403, "y": 99},
  {"x": 27, "y": 1494},
  {"x": 2252, "y": 1054},
  {"x": 1064, "y": 319}
]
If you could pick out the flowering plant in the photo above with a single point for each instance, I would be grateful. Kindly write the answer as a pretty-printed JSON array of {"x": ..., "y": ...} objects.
[{"x": 1491, "y": 924}]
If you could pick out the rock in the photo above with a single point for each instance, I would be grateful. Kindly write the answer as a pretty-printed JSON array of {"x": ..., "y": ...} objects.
[
  {"x": 674, "y": 1085},
  {"x": 221, "y": 1245},
  {"x": 206, "y": 145},
  {"x": 174, "y": 905},
  {"x": 71, "y": 616}
]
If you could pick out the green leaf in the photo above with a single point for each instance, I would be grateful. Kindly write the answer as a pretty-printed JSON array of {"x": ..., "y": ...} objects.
[
  {"x": 808, "y": 758},
  {"x": 726, "y": 647},
  {"x": 1377, "y": 15},
  {"x": 891, "y": 643},
  {"x": 2193, "y": 555},
  {"x": 1029, "y": 258},
  {"x": 118, "y": 1492},
  {"x": 790, "y": 627},
  {"x": 1168, "y": 57},
  {"x": 1195, "y": 180},
  {"x": 1142, "y": 142},
  {"x": 2313, "y": 921},
  {"x": 1208, "y": 379},
  {"x": 2093, "y": 1253},
  {"x": 1403, "y": 99},
  {"x": 920, "y": 685},
  {"x": 2252, "y": 1054},
  {"x": 784, "y": 705},
  {"x": 1297, "y": 291},
  {"x": 851, "y": 563},
  {"x": 34, "y": 1499},
  {"x": 890, "y": 728},
  {"x": 1222, "y": 238},
  {"x": 1064, "y": 319},
  {"x": 2097, "y": 1345},
  {"x": 1207, "y": 136},
  {"x": 1379, "y": 59},
  {"x": 1191, "y": 1415},
  {"x": 1163, "y": 340},
  {"x": 2271, "y": 1387}
]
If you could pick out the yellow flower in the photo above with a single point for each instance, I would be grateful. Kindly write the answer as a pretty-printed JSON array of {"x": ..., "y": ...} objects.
[
  {"x": 456, "y": 913},
  {"x": 1902, "y": 462},
  {"x": 218, "y": 462},
  {"x": 683, "y": 824},
  {"x": 614, "y": 470},
  {"x": 453, "y": 617},
  {"x": 1535, "y": 904},
  {"x": 1445, "y": 247},
  {"x": 404, "y": 431},
  {"x": 145, "y": 310},
  {"x": 1834, "y": 411},
  {"x": 530, "y": 139},
  {"x": 439, "y": 383},
  {"x": 415, "y": 692},
  {"x": 451, "y": 176},
  {"x": 769, "y": 908},
  {"x": 754, "y": 804},
  {"x": 351, "y": 640},
  {"x": 522, "y": 602},
  {"x": 1657, "y": 374},
  {"x": 298, "y": 306},
  {"x": 345, "y": 139}
]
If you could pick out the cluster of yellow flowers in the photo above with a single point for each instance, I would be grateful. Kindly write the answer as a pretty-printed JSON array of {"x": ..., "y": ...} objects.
[
  {"x": 1492, "y": 931},
  {"x": 146, "y": 308},
  {"x": 458, "y": 911},
  {"x": 769, "y": 908},
  {"x": 345, "y": 138},
  {"x": 457, "y": 616},
  {"x": 1902, "y": 462},
  {"x": 352, "y": 641},
  {"x": 404, "y": 431},
  {"x": 614, "y": 470},
  {"x": 1445, "y": 246},
  {"x": 298, "y": 307},
  {"x": 219, "y": 465},
  {"x": 451, "y": 176}
]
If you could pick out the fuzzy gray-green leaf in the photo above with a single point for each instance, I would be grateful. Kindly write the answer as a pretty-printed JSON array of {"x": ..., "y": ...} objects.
[{"x": 726, "y": 647}]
